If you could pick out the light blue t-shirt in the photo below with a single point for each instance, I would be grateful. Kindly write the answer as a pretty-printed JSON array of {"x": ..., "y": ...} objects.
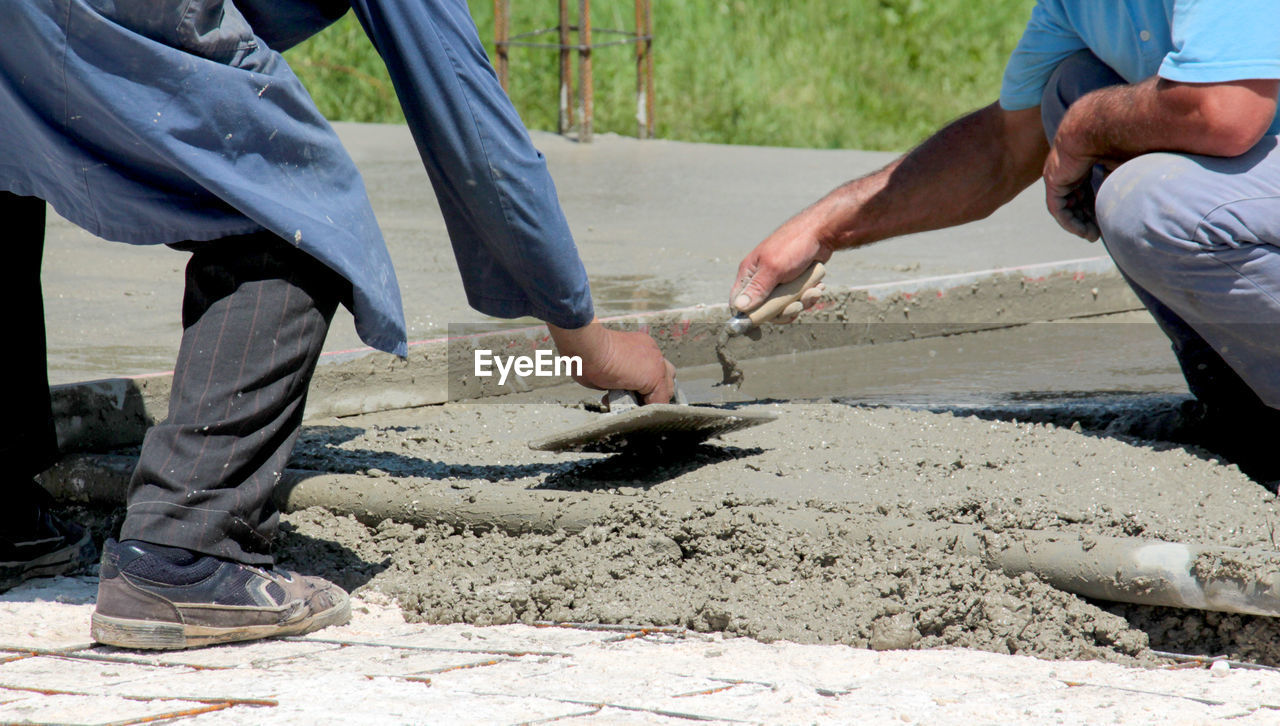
[{"x": 1191, "y": 41}]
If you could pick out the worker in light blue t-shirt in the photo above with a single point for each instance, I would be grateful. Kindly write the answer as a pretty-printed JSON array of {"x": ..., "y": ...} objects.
[{"x": 1153, "y": 124}]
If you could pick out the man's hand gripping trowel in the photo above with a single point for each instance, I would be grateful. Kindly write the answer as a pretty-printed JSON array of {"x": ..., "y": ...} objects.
[
  {"x": 773, "y": 306},
  {"x": 629, "y": 426}
]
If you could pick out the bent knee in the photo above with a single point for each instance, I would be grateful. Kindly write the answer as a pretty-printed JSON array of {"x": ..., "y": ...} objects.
[{"x": 1153, "y": 199}]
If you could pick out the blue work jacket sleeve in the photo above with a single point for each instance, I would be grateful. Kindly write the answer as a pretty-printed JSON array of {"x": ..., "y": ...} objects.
[{"x": 509, "y": 234}]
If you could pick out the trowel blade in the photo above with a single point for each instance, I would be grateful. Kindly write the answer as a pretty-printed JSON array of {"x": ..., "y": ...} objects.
[
  {"x": 656, "y": 426},
  {"x": 703, "y": 390},
  {"x": 713, "y": 392}
]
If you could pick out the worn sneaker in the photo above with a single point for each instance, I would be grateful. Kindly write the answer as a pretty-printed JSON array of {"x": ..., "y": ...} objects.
[
  {"x": 34, "y": 543},
  {"x": 154, "y": 597}
]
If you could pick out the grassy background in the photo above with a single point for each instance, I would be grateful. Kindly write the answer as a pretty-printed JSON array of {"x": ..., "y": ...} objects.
[{"x": 869, "y": 74}]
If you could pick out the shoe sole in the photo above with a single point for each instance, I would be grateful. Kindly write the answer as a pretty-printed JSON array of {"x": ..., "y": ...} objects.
[
  {"x": 155, "y": 635},
  {"x": 59, "y": 562}
]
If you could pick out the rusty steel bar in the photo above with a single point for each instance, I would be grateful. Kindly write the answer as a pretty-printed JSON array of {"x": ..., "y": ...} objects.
[
  {"x": 566, "y": 70},
  {"x": 573, "y": 46},
  {"x": 582, "y": 112},
  {"x": 642, "y": 108},
  {"x": 586, "y": 93},
  {"x": 501, "y": 31},
  {"x": 649, "y": 92}
]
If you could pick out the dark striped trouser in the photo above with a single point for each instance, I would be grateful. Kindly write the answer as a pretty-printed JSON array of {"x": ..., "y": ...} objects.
[{"x": 255, "y": 315}]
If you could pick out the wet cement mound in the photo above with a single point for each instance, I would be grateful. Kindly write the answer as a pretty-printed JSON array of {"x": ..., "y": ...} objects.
[
  {"x": 713, "y": 570},
  {"x": 728, "y": 565}
]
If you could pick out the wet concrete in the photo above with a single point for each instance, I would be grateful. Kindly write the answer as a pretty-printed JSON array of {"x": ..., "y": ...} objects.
[
  {"x": 732, "y": 557},
  {"x": 1123, "y": 353},
  {"x": 1100, "y": 358}
]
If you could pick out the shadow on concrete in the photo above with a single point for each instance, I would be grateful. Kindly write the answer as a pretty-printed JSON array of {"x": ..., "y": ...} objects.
[
  {"x": 318, "y": 450},
  {"x": 1247, "y": 638},
  {"x": 643, "y": 469},
  {"x": 109, "y": 413},
  {"x": 360, "y": 461},
  {"x": 74, "y": 589}
]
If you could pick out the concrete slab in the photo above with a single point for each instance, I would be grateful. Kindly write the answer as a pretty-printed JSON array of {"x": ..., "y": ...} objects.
[
  {"x": 71, "y": 709},
  {"x": 256, "y": 655},
  {"x": 660, "y": 224},
  {"x": 59, "y": 673},
  {"x": 57, "y": 628},
  {"x": 500, "y": 640}
]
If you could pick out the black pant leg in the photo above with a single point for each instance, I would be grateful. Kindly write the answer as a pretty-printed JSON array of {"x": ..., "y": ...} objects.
[
  {"x": 255, "y": 315},
  {"x": 28, "y": 441}
]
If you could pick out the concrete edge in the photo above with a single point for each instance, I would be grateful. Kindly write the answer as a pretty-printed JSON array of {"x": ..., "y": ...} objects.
[{"x": 109, "y": 413}]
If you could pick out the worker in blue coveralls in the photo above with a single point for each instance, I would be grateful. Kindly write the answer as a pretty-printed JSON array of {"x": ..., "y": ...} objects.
[
  {"x": 1153, "y": 124},
  {"x": 178, "y": 122}
]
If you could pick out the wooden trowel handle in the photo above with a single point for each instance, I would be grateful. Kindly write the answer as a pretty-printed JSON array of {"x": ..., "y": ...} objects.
[
  {"x": 617, "y": 400},
  {"x": 787, "y": 293}
]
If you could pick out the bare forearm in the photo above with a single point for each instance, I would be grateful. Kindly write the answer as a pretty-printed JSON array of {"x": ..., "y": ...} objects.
[
  {"x": 1112, "y": 125},
  {"x": 962, "y": 173},
  {"x": 1118, "y": 123}
]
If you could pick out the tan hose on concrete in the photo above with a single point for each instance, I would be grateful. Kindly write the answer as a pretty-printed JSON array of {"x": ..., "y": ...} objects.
[{"x": 1147, "y": 572}]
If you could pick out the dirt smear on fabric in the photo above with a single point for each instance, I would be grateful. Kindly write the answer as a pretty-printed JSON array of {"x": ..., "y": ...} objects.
[{"x": 725, "y": 566}]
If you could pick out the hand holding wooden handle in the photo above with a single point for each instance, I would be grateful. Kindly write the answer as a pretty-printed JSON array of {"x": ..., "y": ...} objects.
[{"x": 787, "y": 293}]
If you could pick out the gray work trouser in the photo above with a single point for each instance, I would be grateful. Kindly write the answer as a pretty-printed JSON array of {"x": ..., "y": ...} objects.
[
  {"x": 1198, "y": 238},
  {"x": 254, "y": 316}
]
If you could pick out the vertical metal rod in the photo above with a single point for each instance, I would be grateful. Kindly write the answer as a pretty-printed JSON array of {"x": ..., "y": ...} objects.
[
  {"x": 501, "y": 32},
  {"x": 649, "y": 93},
  {"x": 642, "y": 111},
  {"x": 566, "y": 70},
  {"x": 586, "y": 94}
]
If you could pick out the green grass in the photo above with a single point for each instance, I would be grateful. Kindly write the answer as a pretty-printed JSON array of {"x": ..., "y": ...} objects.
[{"x": 869, "y": 74}]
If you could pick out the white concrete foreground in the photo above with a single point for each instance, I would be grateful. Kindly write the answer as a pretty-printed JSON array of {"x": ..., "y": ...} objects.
[{"x": 381, "y": 670}]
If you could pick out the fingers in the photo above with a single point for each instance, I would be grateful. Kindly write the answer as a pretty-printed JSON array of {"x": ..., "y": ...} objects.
[
  {"x": 811, "y": 296},
  {"x": 1068, "y": 194},
  {"x": 746, "y": 270},
  {"x": 755, "y": 281},
  {"x": 630, "y": 361},
  {"x": 1072, "y": 210},
  {"x": 807, "y": 300},
  {"x": 666, "y": 388},
  {"x": 789, "y": 313}
]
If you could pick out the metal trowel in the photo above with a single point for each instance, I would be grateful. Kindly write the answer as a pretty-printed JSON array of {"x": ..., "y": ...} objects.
[
  {"x": 629, "y": 426},
  {"x": 773, "y": 306}
]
